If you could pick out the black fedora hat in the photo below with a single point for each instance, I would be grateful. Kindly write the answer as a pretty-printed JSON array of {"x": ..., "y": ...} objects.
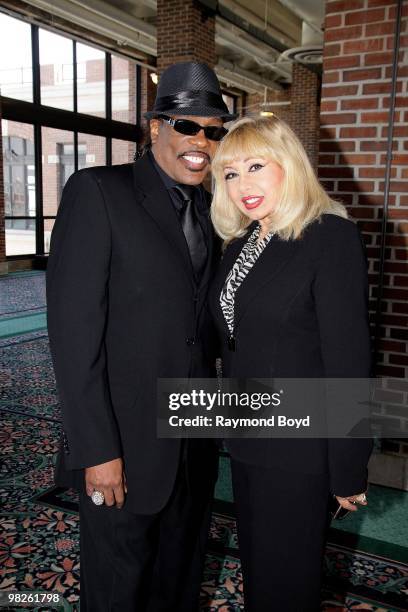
[{"x": 190, "y": 88}]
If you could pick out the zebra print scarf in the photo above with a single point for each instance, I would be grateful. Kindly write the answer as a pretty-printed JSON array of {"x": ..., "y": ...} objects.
[{"x": 243, "y": 264}]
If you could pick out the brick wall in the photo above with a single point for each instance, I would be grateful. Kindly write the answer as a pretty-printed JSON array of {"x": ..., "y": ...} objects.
[
  {"x": 359, "y": 39},
  {"x": 3, "y": 265},
  {"x": 302, "y": 113},
  {"x": 305, "y": 108},
  {"x": 185, "y": 32}
]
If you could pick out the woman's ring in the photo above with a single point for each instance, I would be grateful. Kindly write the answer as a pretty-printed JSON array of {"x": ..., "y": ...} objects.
[
  {"x": 98, "y": 498},
  {"x": 361, "y": 498}
]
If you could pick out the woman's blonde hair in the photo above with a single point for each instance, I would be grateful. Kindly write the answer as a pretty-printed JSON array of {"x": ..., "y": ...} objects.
[{"x": 302, "y": 199}]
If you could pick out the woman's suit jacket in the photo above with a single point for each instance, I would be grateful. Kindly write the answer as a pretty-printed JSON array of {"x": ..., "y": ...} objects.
[{"x": 302, "y": 313}]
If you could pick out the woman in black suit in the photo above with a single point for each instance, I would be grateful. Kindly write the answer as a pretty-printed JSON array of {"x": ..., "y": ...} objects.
[{"x": 289, "y": 300}]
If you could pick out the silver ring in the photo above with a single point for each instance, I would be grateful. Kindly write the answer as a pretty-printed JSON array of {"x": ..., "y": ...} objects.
[
  {"x": 98, "y": 498},
  {"x": 361, "y": 498}
]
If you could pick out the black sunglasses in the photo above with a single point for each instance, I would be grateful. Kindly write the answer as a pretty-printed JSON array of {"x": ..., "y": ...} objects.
[{"x": 191, "y": 128}]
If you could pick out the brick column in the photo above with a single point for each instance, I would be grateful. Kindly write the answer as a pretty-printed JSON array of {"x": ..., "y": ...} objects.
[
  {"x": 185, "y": 32},
  {"x": 3, "y": 263},
  {"x": 305, "y": 110},
  {"x": 148, "y": 95},
  {"x": 358, "y": 54}
]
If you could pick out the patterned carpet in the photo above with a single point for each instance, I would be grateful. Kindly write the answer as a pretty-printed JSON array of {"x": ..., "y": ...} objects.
[
  {"x": 39, "y": 525},
  {"x": 22, "y": 292}
]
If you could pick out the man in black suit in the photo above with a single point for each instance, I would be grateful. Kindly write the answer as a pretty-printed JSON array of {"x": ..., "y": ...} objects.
[{"x": 132, "y": 253}]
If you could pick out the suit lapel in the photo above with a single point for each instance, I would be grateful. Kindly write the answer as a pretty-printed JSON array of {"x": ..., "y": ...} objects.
[
  {"x": 223, "y": 269},
  {"x": 271, "y": 262},
  {"x": 205, "y": 222},
  {"x": 157, "y": 203}
]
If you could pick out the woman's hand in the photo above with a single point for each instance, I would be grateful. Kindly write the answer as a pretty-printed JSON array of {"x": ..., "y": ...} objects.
[{"x": 349, "y": 503}]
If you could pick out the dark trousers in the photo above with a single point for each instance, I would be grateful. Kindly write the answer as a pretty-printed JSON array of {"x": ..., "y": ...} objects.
[
  {"x": 144, "y": 563},
  {"x": 282, "y": 521}
]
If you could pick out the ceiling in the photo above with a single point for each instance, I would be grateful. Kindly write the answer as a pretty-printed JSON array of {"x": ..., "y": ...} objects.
[{"x": 256, "y": 41}]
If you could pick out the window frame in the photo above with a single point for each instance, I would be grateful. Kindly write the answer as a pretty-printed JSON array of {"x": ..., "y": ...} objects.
[
  {"x": 233, "y": 96},
  {"x": 39, "y": 115}
]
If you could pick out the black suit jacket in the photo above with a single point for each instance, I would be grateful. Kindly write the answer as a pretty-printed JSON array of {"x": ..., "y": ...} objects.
[
  {"x": 123, "y": 310},
  {"x": 302, "y": 313}
]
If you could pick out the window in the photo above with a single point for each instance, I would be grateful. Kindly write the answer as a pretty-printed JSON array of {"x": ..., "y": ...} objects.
[
  {"x": 123, "y": 151},
  {"x": 55, "y": 173},
  {"x": 82, "y": 111},
  {"x": 56, "y": 70},
  {"x": 91, "y": 80},
  {"x": 94, "y": 151},
  {"x": 66, "y": 161},
  {"x": 16, "y": 75},
  {"x": 123, "y": 83},
  {"x": 19, "y": 187},
  {"x": 231, "y": 102}
]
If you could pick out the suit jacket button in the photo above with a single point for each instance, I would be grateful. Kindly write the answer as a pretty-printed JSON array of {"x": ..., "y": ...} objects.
[
  {"x": 190, "y": 341},
  {"x": 65, "y": 443}
]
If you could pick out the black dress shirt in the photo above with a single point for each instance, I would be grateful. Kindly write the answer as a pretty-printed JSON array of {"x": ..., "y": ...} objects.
[{"x": 170, "y": 183}]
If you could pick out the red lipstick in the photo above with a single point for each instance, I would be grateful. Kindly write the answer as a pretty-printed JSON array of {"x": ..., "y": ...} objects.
[{"x": 251, "y": 202}]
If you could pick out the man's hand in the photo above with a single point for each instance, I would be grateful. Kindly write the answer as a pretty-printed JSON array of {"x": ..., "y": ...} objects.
[
  {"x": 349, "y": 503},
  {"x": 109, "y": 478}
]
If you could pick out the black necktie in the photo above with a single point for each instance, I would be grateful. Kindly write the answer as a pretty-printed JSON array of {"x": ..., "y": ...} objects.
[{"x": 192, "y": 228}]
